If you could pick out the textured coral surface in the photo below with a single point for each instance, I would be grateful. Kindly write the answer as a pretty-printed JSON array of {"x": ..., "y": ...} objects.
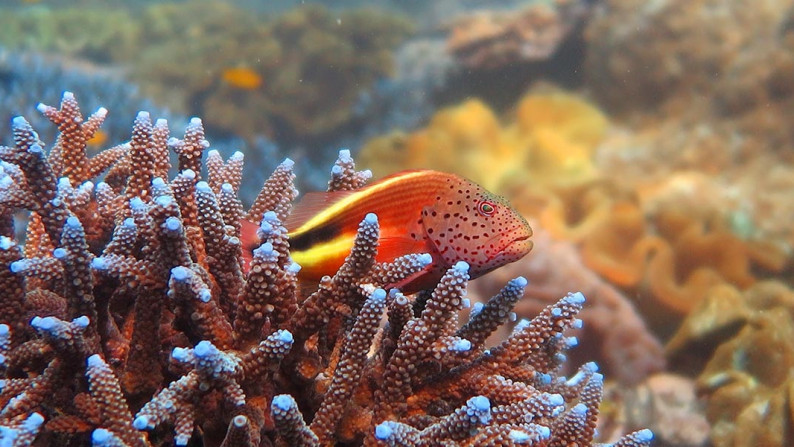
[{"x": 128, "y": 318}]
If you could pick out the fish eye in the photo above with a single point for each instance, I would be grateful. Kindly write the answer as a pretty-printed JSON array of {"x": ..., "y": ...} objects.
[{"x": 486, "y": 208}]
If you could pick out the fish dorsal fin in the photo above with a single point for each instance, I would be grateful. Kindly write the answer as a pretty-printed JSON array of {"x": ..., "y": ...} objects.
[{"x": 310, "y": 205}]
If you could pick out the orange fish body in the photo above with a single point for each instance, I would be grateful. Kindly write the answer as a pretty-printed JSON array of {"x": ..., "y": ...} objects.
[{"x": 449, "y": 217}]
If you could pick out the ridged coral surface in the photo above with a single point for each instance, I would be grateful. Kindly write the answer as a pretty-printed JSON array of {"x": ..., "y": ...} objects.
[{"x": 129, "y": 320}]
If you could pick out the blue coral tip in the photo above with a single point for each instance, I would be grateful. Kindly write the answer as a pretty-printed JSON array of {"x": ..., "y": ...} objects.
[
  {"x": 67, "y": 95},
  {"x": 95, "y": 361},
  {"x": 19, "y": 266},
  {"x": 164, "y": 201},
  {"x": 520, "y": 282},
  {"x": 378, "y": 295},
  {"x": 555, "y": 399},
  {"x": 81, "y": 322},
  {"x": 644, "y": 435},
  {"x": 543, "y": 431},
  {"x": 265, "y": 249},
  {"x": 6, "y": 243},
  {"x": 227, "y": 188},
  {"x": 270, "y": 216},
  {"x": 158, "y": 182},
  {"x": 35, "y": 148},
  {"x": 425, "y": 259},
  {"x": 195, "y": 121},
  {"x": 284, "y": 336},
  {"x": 99, "y": 263},
  {"x": 371, "y": 218},
  {"x": 294, "y": 268},
  {"x": 19, "y": 121},
  {"x": 383, "y": 431},
  {"x": 161, "y": 122},
  {"x": 180, "y": 273},
  {"x": 140, "y": 423},
  {"x": 205, "y": 295},
  {"x": 288, "y": 163},
  {"x": 461, "y": 345},
  {"x": 189, "y": 174},
  {"x": 519, "y": 436},
  {"x": 44, "y": 324},
  {"x": 173, "y": 224},
  {"x": 576, "y": 298},
  {"x": 33, "y": 421},
  {"x": 283, "y": 402},
  {"x": 336, "y": 170},
  {"x": 129, "y": 223},
  {"x": 180, "y": 354},
  {"x": 344, "y": 155},
  {"x": 101, "y": 436},
  {"x": 203, "y": 187},
  {"x": 136, "y": 203},
  {"x": 142, "y": 115},
  {"x": 579, "y": 410},
  {"x": 461, "y": 266},
  {"x": 481, "y": 403},
  {"x": 203, "y": 349},
  {"x": 4, "y": 330}
]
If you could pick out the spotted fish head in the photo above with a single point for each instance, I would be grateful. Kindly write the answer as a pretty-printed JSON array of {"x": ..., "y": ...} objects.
[{"x": 469, "y": 223}]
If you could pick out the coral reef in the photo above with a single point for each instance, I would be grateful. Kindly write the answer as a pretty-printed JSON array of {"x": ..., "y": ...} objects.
[
  {"x": 295, "y": 77},
  {"x": 745, "y": 340},
  {"x": 312, "y": 64},
  {"x": 550, "y": 143},
  {"x": 128, "y": 319},
  {"x": 490, "y": 39}
]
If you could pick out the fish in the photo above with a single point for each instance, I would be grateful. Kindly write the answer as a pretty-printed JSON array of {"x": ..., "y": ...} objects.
[
  {"x": 242, "y": 78},
  {"x": 100, "y": 138},
  {"x": 419, "y": 211}
]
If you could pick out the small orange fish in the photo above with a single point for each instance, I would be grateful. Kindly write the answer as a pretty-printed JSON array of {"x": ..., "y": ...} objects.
[
  {"x": 100, "y": 138},
  {"x": 447, "y": 216},
  {"x": 242, "y": 77}
]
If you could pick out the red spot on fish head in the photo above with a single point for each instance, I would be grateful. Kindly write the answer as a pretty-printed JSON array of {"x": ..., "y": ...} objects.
[{"x": 474, "y": 225}]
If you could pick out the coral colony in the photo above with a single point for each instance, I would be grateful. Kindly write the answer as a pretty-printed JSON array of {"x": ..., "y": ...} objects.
[{"x": 128, "y": 319}]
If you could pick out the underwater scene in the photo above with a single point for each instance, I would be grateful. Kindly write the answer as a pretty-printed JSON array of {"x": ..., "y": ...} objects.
[{"x": 446, "y": 223}]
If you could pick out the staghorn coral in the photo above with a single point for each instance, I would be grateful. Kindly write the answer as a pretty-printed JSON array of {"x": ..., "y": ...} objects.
[
  {"x": 614, "y": 332},
  {"x": 153, "y": 334}
]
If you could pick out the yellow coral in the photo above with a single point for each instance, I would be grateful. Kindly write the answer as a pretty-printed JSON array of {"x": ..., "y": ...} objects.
[{"x": 550, "y": 142}]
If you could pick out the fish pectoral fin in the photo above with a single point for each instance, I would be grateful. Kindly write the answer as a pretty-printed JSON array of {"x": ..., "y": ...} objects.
[
  {"x": 392, "y": 247},
  {"x": 310, "y": 205}
]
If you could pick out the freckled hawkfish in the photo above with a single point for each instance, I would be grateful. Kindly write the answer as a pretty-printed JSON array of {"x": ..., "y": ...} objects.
[{"x": 451, "y": 218}]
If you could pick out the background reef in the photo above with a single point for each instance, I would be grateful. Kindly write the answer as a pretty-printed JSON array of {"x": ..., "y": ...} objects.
[{"x": 648, "y": 143}]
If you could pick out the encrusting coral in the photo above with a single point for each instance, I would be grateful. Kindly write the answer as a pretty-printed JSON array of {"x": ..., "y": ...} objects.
[{"x": 129, "y": 320}]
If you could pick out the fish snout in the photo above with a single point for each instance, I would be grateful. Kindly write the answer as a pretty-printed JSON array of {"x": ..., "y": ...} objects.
[{"x": 514, "y": 250}]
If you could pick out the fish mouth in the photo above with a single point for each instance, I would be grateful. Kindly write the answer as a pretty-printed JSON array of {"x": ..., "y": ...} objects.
[{"x": 515, "y": 249}]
